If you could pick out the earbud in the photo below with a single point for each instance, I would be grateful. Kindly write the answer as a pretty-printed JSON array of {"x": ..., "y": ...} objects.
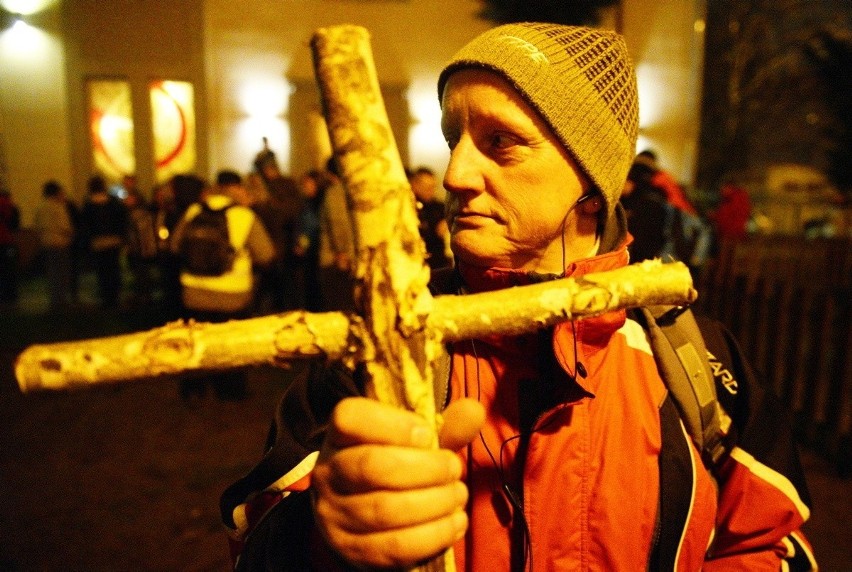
[{"x": 590, "y": 203}]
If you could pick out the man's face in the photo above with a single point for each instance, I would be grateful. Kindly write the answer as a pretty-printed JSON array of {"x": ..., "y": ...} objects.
[
  {"x": 308, "y": 187},
  {"x": 510, "y": 183},
  {"x": 270, "y": 170}
]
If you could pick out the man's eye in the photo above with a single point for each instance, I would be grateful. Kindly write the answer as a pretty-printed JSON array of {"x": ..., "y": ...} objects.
[
  {"x": 451, "y": 132},
  {"x": 501, "y": 141}
]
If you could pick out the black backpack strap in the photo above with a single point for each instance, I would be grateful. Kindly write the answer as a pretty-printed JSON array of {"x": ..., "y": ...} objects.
[
  {"x": 681, "y": 357},
  {"x": 677, "y": 482}
]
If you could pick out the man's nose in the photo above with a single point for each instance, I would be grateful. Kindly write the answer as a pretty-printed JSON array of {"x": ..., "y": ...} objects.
[{"x": 464, "y": 173}]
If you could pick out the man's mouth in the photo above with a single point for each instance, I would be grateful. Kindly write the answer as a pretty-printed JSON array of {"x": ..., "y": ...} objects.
[
  {"x": 467, "y": 217},
  {"x": 470, "y": 219}
]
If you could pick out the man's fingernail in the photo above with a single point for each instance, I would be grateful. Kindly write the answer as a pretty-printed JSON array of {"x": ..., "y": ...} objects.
[
  {"x": 459, "y": 524},
  {"x": 422, "y": 436}
]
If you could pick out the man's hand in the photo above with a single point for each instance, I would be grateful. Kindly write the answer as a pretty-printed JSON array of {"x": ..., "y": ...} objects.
[{"x": 383, "y": 496}]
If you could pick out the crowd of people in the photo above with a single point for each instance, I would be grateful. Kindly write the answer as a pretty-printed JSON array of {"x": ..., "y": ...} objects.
[
  {"x": 666, "y": 224},
  {"x": 128, "y": 241},
  {"x": 125, "y": 237},
  {"x": 292, "y": 238},
  {"x": 293, "y": 246}
]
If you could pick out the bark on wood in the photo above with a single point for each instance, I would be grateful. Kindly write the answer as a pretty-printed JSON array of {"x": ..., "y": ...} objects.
[
  {"x": 523, "y": 309},
  {"x": 391, "y": 277},
  {"x": 390, "y": 274},
  {"x": 185, "y": 347}
]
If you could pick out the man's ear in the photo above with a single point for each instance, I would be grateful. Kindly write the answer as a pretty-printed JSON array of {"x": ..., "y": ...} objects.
[{"x": 592, "y": 205}]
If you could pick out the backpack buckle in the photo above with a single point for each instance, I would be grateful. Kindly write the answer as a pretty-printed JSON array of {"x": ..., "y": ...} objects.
[{"x": 669, "y": 316}]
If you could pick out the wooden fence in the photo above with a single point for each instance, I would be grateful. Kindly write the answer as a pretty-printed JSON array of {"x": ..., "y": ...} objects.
[{"x": 787, "y": 301}]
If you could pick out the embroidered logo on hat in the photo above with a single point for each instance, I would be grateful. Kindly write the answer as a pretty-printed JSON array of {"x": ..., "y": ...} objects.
[{"x": 533, "y": 52}]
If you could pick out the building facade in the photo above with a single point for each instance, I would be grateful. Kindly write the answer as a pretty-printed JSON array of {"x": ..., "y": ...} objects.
[{"x": 156, "y": 86}]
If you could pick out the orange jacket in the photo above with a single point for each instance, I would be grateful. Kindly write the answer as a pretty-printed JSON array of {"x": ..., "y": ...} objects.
[
  {"x": 581, "y": 460},
  {"x": 601, "y": 468}
]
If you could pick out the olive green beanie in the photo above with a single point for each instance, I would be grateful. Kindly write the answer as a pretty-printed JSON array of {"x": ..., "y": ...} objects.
[{"x": 580, "y": 80}]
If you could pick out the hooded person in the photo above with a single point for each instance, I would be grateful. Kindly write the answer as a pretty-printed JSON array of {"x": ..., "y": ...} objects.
[{"x": 559, "y": 449}]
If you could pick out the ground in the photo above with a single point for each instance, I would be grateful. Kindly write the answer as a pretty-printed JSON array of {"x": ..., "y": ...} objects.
[
  {"x": 121, "y": 477},
  {"x": 128, "y": 477},
  {"x": 125, "y": 477}
]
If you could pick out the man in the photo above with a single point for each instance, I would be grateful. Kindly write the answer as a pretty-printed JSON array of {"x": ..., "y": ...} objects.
[
  {"x": 279, "y": 212},
  {"x": 561, "y": 450},
  {"x": 141, "y": 250},
  {"x": 219, "y": 297},
  {"x": 647, "y": 213},
  {"x": 687, "y": 237},
  {"x": 56, "y": 234},
  {"x": 666, "y": 182},
  {"x": 731, "y": 216},
  {"x": 104, "y": 221}
]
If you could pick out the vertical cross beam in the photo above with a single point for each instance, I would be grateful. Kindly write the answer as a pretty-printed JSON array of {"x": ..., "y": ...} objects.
[{"x": 391, "y": 276}]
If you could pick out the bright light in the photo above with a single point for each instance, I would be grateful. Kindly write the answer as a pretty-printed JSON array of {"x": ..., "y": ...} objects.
[
  {"x": 643, "y": 143},
  {"x": 25, "y": 43},
  {"x": 247, "y": 140},
  {"x": 115, "y": 134},
  {"x": 651, "y": 82},
  {"x": 20, "y": 32},
  {"x": 265, "y": 97},
  {"x": 26, "y": 7},
  {"x": 426, "y": 144},
  {"x": 114, "y": 127},
  {"x": 423, "y": 105},
  {"x": 265, "y": 100},
  {"x": 19, "y": 26}
]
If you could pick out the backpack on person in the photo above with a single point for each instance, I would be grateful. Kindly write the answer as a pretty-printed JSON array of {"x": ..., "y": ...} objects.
[
  {"x": 682, "y": 359},
  {"x": 205, "y": 247}
]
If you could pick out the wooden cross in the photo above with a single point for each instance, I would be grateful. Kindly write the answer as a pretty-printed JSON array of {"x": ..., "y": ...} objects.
[{"x": 400, "y": 328}]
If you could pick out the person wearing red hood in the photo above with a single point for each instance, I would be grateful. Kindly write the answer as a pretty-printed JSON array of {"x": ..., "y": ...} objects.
[
  {"x": 731, "y": 216},
  {"x": 561, "y": 449},
  {"x": 666, "y": 182}
]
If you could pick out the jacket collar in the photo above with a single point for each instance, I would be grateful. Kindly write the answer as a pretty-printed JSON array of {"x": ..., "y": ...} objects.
[
  {"x": 481, "y": 279},
  {"x": 592, "y": 334},
  {"x": 219, "y": 201}
]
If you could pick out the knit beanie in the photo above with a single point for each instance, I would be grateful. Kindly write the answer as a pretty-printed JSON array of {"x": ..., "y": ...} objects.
[{"x": 580, "y": 80}]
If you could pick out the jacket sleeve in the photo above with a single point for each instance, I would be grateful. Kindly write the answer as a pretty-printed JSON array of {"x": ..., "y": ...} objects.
[
  {"x": 177, "y": 232},
  {"x": 259, "y": 243},
  {"x": 763, "y": 497},
  {"x": 267, "y": 513}
]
